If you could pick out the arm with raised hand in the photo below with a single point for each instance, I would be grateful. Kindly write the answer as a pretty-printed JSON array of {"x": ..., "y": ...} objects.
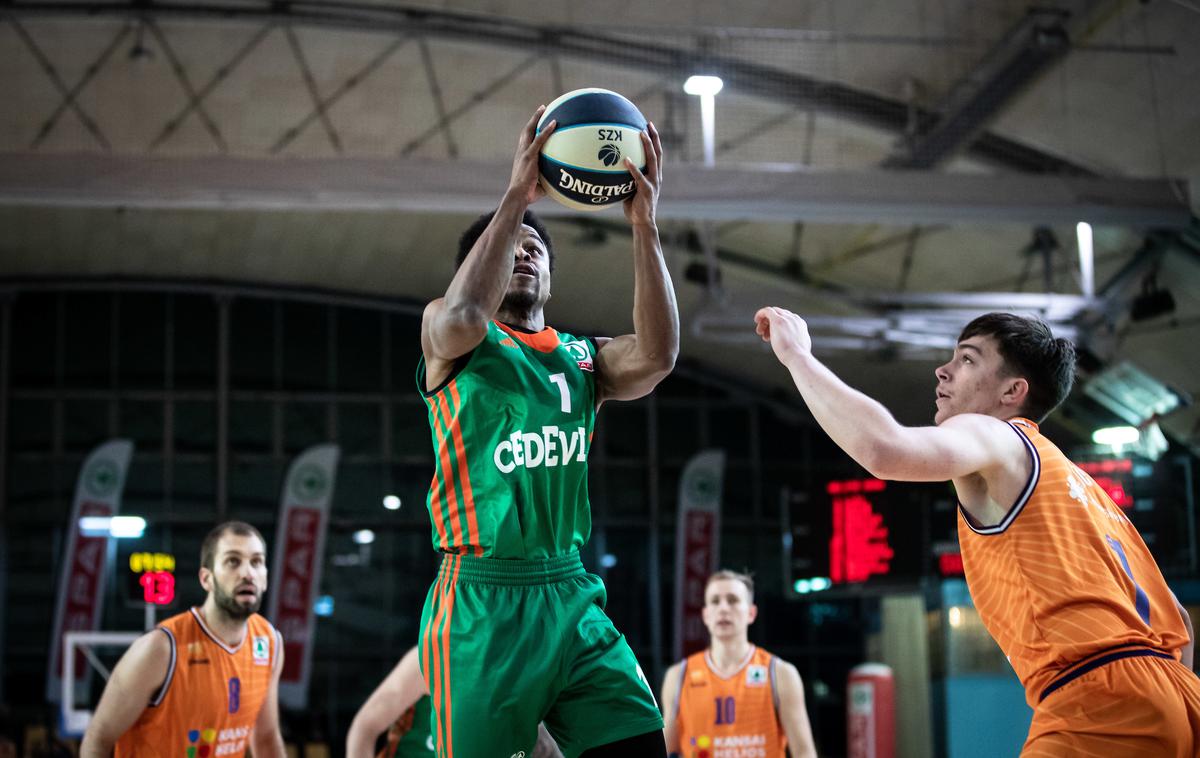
[
  {"x": 630, "y": 366},
  {"x": 452, "y": 325}
]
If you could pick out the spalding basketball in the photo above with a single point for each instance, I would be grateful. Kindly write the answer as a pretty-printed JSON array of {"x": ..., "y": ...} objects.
[{"x": 582, "y": 165}]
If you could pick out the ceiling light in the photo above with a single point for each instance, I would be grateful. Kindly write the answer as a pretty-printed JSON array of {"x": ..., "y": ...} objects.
[
  {"x": 391, "y": 502},
  {"x": 703, "y": 85},
  {"x": 1116, "y": 436},
  {"x": 364, "y": 537}
]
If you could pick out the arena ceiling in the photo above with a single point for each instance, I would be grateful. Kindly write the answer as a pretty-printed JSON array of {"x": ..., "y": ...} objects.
[{"x": 887, "y": 168}]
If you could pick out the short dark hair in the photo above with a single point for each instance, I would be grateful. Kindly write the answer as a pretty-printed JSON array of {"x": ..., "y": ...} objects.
[
  {"x": 1031, "y": 351},
  {"x": 208, "y": 548},
  {"x": 734, "y": 576},
  {"x": 475, "y": 231}
]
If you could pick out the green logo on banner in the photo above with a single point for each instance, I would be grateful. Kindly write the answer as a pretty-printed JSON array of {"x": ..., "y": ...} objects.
[
  {"x": 101, "y": 478},
  {"x": 310, "y": 483},
  {"x": 702, "y": 486}
]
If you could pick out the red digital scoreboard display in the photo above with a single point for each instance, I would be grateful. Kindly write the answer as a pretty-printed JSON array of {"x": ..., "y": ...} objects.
[
  {"x": 1113, "y": 476},
  {"x": 859, "y": 547}
]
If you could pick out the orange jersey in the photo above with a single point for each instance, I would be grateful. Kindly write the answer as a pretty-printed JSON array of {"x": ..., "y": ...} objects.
[
  {"x": 735, "y": 717},
  {"x": 210, "y": 700},
  {"x": 1066, "y": 577}
]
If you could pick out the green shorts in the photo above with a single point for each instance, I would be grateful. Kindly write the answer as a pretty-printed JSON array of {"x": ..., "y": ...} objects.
[{"x": 507, "y": 643}]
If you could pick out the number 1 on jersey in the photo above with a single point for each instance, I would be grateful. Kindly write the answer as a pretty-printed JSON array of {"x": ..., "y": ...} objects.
[
  {"x": 563, "y": 390},
  {"x": 1141, "y": 602}
]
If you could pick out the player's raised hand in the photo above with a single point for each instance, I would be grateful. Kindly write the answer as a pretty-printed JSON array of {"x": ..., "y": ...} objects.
[
  {"x": 525, "y": 163},
  {"x": 787, "y": 332},
  {"x": 641, "y": 206}
]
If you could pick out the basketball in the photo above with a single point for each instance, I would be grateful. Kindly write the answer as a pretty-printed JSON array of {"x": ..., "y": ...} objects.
[{"x": 582, "y": 165}]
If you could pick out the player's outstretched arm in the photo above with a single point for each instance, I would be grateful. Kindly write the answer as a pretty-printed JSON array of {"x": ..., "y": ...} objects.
[
  {"x": 266, "y": 741},
  {"x": 632, "y": 365},
  {"x": 868, "y": 433},
  {"x": 134, "y": 681},
  {"x": 394, "y": 695},
  {"x": 455, "y": 323},
  {"x": 670, "y": 706},
  {"x": 792, "y": 712}
]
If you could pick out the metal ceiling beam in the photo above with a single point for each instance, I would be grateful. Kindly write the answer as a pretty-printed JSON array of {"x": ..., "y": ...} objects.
[
  {"x": 1037, "y": 41},
  {"x": 692, "y": 192},
  {"x": 745, "y": 77}
]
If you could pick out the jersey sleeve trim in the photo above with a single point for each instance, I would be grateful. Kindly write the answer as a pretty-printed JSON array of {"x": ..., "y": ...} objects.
[
  {"x": 679, "y": 695},
  {"x": 166, "y": 685},
  {"x": 460, "y": 363},
  {"x": 1035, "y": 474},
  {"x": 278, "y": 647}
]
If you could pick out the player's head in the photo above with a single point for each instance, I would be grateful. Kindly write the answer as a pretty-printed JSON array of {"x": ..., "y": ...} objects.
[
  {"x": 533, "y": 260},
  {"x": 233, "y": 568},
  {"x": 729, "y": 607},
  {"x": 1005, "y": 366}
]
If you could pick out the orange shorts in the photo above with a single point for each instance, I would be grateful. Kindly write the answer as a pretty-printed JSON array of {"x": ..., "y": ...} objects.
[{"x": 1136, "y": 706}]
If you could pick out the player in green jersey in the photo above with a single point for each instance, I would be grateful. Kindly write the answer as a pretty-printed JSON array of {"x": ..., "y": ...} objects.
[{"x": 514, "y": 630}]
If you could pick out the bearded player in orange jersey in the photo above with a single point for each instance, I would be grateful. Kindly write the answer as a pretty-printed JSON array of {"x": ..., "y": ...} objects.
[
  {"x": 1061, "y": 578},
  {"x": 734, "y": 696},
  {"x": 203, "y": 683}
]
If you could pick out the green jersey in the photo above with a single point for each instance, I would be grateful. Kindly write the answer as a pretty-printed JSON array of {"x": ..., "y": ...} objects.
[{"x": 511, "y": 430}]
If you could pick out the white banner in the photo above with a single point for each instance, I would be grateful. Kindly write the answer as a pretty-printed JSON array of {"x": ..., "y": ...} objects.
[
  {"x": 80, "y": 598},
  {"x": 696, "y": 545},
  {"x": 295, "y": 575}
]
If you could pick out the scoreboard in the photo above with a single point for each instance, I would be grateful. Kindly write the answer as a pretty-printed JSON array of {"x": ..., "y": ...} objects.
[{"x": 150, "y": 579}]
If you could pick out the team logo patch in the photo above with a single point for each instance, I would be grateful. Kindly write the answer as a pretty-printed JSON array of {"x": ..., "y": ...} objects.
[
  {"x": 195, "y": 651},
  {"x": 262, "y": 650},
  {"x": 756, "y": 676},
  {"x": 579, "y": 351}
]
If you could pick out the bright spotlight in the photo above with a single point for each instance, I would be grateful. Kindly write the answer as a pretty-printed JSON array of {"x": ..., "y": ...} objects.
[
  {"x": 364, "y": 537},
  {"x": 391, "y": 502},
  {"x": 1116, "y": 436},
  {"x": 703, "y": 85}
]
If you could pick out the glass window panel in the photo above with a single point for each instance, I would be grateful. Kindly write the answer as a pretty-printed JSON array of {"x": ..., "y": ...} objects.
[
  {"x": 86, "y": 340},
  {"x": 142, "y": 340},
  {"x": 360, "y": 489},
  {"x": 31, "y": 424},
  {"x": 194, "y": 488},
  {"x": 411, "y": 485},
  {"x": 622, "y": 491},
  {"x": 359, "y": 344},
  {"x": 254, "y": 489},
  {"x": 678, "y": 433},
  {"x": 406, "y": 351},
  {"x": 306, "y": 346},
  {"x": 34, "y": 333},
  {"x": 143, "y": 494},
  {"x": 622, "y": 428},
  {"x": 252, "y": 343},
  {"x": 195, "y": 426},
  {"x": 729, "y": 427},
  {"x": 195, "y": 319},
  {"x": 85, "y": 423},
  {"x": 251, "y": 424},
  {"x": 304, "y": 424},
  {"x": 33, "y": 492},
  {"x": 410, "y": 428},
  {"x": 142, "y": 422},
  {"x": 360, "y": 428}
]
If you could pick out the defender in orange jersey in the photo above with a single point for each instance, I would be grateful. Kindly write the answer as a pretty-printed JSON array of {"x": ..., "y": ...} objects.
[
  {"x": 734, "y": 698},
  {"x": 203, "y": 683},
  {"x": 1060, "y": 577}
]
